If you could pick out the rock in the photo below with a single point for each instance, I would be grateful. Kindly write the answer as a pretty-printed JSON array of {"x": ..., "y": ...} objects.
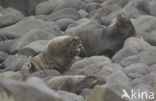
[
  {"x": 132, "y": 46},
  {"x": 98, "y": 61},
  {"x": 70, "y": 13},
  {"x": 137, "y": 68},
  {"x": 3, "y": 56},
  {"x": 7, "y": 74},
  {"x": 147, "y": 25},
  {"x": 136, "y": 82},
  {"x": 46, "y": 74},
  {"x": 33, "y": 48},
  {"x": 121, "y": 3},
  {"x": 24, "y": 6},
  {"x": 22, "y": 27},
  {"x": 105, "y": 10},
  {"x": 14, "y": 63},
  {"x": 118, "y": 77},
  {"x": 3, "y": 38},
  {"x": 93, "y": 24},
  {"x": 34, "y": 90},
  {"x": 82, "y": 21},
  {"x": 76, "y": 4},
  {"x": 152, "y": 68},
  {"x": 150, "y": 79},
  {"x": 148, "y": 57},
  {"x": 109, "y": 93},
  {"x": 150, "y": 38},
  {"x": 129, "y": 60},
  {"x": 86, "y": 92},
  {"x": 11, "y": 16},
  {"x": 44, "y": 8},
  {"x": 6, "y": 45},
  {"x": 70, "y": 96},
  {"x": 54, "y": 29},
  {"x": 29, "y": 37},
  {"x": 107, "y": 70},
  {"x": 92, "y": 6},
  {"x": 83, "y": 13},
  {"x": 63, "y": 23}
]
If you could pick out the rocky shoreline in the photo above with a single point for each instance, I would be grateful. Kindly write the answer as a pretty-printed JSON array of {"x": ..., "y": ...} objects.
[{"x": 25, "y": 33}]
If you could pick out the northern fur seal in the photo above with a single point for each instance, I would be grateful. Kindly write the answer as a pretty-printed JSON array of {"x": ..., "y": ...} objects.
[
  {"x": 58, "y": 55},
  {"x": 72, "y": 83},
  {"x": 105, "y": 40}
]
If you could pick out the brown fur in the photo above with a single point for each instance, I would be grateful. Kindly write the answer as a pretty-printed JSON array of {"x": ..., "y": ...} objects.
[
  {"x": 72, "y": 83},
  {"x": 58, "y": 55}
]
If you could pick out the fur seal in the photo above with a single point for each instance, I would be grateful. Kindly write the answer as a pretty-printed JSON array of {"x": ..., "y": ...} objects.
[
  {"x": 74, "y": 84},
  {"x": 106, "y": 40},
  {"x": 58, "y": 55}
]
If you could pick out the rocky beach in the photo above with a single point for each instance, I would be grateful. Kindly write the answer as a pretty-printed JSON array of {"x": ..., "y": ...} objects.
[{"x": 118, "y": 62}]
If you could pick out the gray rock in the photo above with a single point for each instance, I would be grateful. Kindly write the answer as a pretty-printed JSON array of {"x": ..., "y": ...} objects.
[
  {"x": 150, "y": 37},
  {"x": 44, "y": 8},
  {"x": 14, "y": 63},
  {"x": 27, "y": 7},
  {"x": 3, "y": 56},
  {"x": 150, "y": 79},
  {"x": 22, "y": 27},
  {"x": 86, "y": 92},
  {"x": 148, "y": 57},
  {"x": 70, "y": 96},
  {"x": 107, "y": 70},
  {"x": 70, "y": 13},
  {"x": 63, "y": 23},
  {"x": 118, "y": 77},
  {"x": 109, "y": 93},
  {"x": 34, "y": 90},
  {"x": 33, "y": 48},
  {"x": 152, "y": 68},
  {"x": 129, "y": 60},
  {"x": 132, "y": 46},
  {"x": 121, "y": 3},
  {"x": 83, "y": 13},
  {"x": 11, "y": 16},
  {"x": 137, "y": 68},
  {"x": 29, "y": 37},
  {"x": 136, "y": 82},
  {"x": 98, "y": 61},
  {"x": 6, "y": 45},
  {"x": 76, "y": 4}
]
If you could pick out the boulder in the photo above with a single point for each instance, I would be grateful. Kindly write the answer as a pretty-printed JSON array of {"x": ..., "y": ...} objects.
[
  {"x": 33, "y": 48},
  {"x": 112, "y": 92},
  {"x": 34, "y": 90},
  {"x": 137, "y": 68},
  {"x": 5, "y": 46},
  {"x": 3, "y": 56},
  {"x": 29, "y": 37},
  {"x": 98, "y": 61},
  {"x": 44, "y": 8},
  {"x": 22, "y": 27},
  {"x": 76, "y": 4},
  {"x": 132, "y": 46},
  {"x": 148, "y": 57},
  {"x": 70, "y": 13},
  {"x": 70, "y": 96},
  {"x": 63, "y": 23},
  {"x": 14, "y": 63},
  {"x": 11, "y": 16}
]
